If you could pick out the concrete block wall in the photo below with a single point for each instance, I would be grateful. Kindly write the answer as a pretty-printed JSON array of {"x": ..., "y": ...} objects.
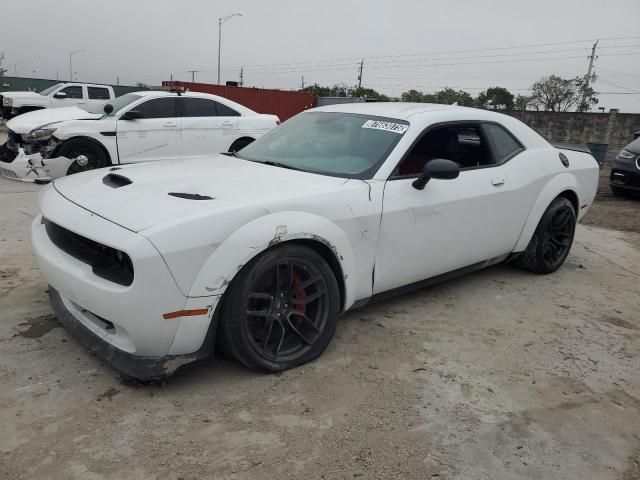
[{"x": 612, "y": 128}]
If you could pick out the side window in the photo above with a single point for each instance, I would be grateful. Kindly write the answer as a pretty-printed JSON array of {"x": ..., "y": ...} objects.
[
  {"x": 462, "y": 143},
  {"x": 504, "y": 144},
  {"x": 224, "y": 111},
  {"x": 98, "y": 93},
  {"x": 73, "y": 91},
  {"x": 198, "y": 107},
  {"x": 158, "y": 108}
]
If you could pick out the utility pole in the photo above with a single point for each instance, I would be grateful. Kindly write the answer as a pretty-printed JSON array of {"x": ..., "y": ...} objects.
[
  {"x": 117, "y": 80},
  {"x": 587, "y": 77},
  {"x": 241, "y": 76},
  {"x": 302, "y": 83},
  {"x": 221, "y": 20},
  {"x": 360, "y": 74},
  {"x": 193, "y": 75},
  {"x": 71, "y": 54}
]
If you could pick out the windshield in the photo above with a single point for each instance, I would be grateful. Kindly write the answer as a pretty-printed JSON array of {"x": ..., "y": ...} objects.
[
  {"x": 121, "y": 102},
  {"x": 47, "y": 91},
  {"x": 338, "y": 144}
]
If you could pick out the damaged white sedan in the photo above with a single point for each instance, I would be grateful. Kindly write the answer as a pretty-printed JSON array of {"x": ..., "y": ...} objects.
[
  {"x": 260, "y": 252},
  {"x": 136, "y": 127}
]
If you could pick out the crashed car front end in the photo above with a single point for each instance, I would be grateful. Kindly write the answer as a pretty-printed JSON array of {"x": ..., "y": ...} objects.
[{"x": 31, "y": 157}]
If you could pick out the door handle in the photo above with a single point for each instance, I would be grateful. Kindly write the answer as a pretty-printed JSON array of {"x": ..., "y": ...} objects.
[
  {"x": 497, "y": 181},
  {"x": 169, "y": 124},
  {"x": 227, "y": 124}
]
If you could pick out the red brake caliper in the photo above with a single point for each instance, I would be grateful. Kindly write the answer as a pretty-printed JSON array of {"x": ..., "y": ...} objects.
[{"x": 300, "y": 294}]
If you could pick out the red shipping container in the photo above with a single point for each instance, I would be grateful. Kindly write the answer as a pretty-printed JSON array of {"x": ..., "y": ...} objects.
[{"x": 276, "y": 102}]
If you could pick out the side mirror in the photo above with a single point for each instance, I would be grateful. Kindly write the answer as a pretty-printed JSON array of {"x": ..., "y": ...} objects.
[
  {"x": 108, "y": 108},
  {"x": 131, "y": 115},
  {"x": 60, "y": 95},
  {"x": 440, "y": 169}
]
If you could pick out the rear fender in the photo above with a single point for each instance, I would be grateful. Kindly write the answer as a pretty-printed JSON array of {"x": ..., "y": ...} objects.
[
  {"x": 266, "y": 232},
  {"x": 557, "y": 185}
]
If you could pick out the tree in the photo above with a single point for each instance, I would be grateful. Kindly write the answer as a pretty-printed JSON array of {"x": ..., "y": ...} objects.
[
  {"x": 318, "y": 90},
  {"x": 521, "y": 102},
  {"x": 412, "y": 96},
  {"x": 370, "y": 93},
  {"x": 143, "y": 86},
  {"x": 2, "y": 69},
  {"x": 496, "y": 97},
  {"x": 449, "y": 96},
  {"x": 562, "y": 94}
]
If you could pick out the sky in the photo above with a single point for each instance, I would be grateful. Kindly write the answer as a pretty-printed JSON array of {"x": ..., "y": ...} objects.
[{"x": 425, "y": 45}]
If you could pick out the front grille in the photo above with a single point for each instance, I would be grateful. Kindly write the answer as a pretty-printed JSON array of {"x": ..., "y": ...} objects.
[{"x": 106, "y": 262}]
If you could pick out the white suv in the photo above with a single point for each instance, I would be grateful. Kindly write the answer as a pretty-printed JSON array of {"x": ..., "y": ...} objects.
[{"x": 136, "y": 127}]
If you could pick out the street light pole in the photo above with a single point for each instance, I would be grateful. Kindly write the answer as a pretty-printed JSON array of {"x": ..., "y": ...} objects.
[
  {"x": 220, "y": 22},
  {"x": 71, "y": 54}
]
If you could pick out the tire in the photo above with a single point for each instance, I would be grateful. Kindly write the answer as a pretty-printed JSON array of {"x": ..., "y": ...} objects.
[
  {"x": 74, "y": 148},
  {"x": 240, "y": 144},
  {"x": 619, "y": 192},
  {"x": 281, "y": 310},
  {"x": 552, "y": 240}
]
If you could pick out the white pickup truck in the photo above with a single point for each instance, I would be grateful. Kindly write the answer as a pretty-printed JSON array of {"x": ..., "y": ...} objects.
[{"x": 87, "y": 96}]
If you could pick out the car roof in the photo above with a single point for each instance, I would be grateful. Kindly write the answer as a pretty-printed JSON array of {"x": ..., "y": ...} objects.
[
  {"x": 401, "y": 110},
  {"x": 164, "y": 93}
]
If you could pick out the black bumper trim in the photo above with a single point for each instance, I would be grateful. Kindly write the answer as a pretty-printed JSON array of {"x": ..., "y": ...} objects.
[{"x": 135, "y": 366}]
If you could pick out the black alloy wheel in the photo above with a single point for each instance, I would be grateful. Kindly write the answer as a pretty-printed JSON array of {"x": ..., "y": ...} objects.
[
  {"x": 552, "y": 240},
  {"x": 281, "y": 311}
]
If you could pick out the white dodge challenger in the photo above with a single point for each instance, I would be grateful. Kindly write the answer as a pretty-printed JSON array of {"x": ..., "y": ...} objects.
[{"x": 260, "y": 252}]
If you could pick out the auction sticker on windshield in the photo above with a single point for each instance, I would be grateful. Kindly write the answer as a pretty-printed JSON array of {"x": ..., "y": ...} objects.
[{"x": 387, "y": 126}]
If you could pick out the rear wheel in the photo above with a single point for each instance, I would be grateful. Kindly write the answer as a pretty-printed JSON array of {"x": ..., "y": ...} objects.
[
  {"x": 618, "y": 192},
  {"x": 281, "y": 311},
  {"x": 240, "y": 144},
  {"x": 552, "y": 240},
  {"x": 85, "y": 155}
]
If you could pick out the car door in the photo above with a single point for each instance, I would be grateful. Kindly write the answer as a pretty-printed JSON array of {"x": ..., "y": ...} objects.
[
  {"x": 450, "y": 224},
  {"x": 96, "y": 98},
  {"x": 208, "y": 126},
  {"x": 153, "y": 135},
  {"x": 69, "y": 96}
]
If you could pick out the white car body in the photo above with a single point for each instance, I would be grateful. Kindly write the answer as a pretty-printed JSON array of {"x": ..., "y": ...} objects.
[
  {"x": 383, "y": 233},
  {"x": 130, "y": 141},
  {"x": 88, "y": 96}
]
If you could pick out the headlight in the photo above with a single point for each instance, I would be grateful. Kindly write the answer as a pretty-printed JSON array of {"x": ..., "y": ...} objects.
[
  {"x": 39, "y": 134},
  {"x": 626, "y": 155},
  {"x": 7, "y": 102}
]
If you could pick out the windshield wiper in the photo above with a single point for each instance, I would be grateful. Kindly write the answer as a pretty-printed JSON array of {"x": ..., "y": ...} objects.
[{"x": 281, "y": 165}]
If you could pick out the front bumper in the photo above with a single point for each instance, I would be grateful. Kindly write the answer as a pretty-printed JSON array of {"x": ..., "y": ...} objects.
[
  {"x": 128, "y": 321},
  {"x": 135, "y": 366},
  {"x": 625, "y": 174},
  {"x": 33, "y": 168}
]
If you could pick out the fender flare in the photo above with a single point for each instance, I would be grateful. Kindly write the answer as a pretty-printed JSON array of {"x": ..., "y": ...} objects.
[
  {"x": 558, "y": 184},
  {"x": 265, "y": 232}
]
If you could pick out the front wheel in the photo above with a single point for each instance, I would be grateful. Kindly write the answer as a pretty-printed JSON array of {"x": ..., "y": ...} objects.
[
  {"x": 552, "y": 240},
  {"x": 86, "y": 155},
  {"x": 281, "y": 311}
]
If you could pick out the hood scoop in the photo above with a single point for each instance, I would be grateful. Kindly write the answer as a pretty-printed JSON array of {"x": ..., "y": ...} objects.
[
  {"x": 190, "y": 196},
  {"x": 115, "y": 180}
]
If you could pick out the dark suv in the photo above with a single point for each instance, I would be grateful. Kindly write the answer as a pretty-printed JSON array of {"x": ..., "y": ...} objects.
[{"x": 625, "y": 169}]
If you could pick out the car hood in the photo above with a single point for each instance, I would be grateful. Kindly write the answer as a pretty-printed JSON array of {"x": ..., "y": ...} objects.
[
  {"x": 23, "y": 94},
  {"x": 634, "y": 147},
  {"x": 28, "y": 121},
  {"x": 137, "y": 197}
]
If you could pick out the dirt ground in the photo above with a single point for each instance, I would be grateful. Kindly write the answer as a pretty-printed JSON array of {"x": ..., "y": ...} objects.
[{"x": 497, "y": 375}]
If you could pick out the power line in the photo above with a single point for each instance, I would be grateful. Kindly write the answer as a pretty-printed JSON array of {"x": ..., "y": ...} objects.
[
  {"x": 447, "y": 52},
  {"x": 619, "y": 86}
]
